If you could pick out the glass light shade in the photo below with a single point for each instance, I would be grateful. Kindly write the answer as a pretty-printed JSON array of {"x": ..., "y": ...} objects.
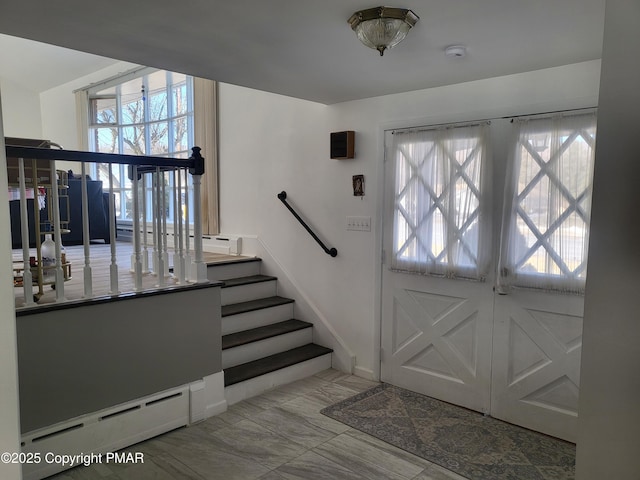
[{"x": 382, "y": 27}]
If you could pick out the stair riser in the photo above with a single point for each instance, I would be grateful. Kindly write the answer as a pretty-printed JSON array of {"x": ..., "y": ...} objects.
[
  {"x": 232, "y": 270},
  {"x": 256, "y": 318},
  {"x": 250, "y": 388},
  {"x": 245, "y": 293},
  {"x": 262, "y": 348}
]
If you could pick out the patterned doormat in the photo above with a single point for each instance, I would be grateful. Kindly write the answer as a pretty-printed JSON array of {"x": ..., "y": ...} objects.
[{"x": 471, "y": 444}]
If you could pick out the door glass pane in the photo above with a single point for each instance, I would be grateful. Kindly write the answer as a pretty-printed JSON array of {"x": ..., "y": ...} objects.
[
  {"x": 548, "y": 222},
  {"x": 438, "y": 199}
]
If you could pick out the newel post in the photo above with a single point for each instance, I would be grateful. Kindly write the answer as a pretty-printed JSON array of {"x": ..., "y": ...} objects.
[{"x": 197, "y": 170}]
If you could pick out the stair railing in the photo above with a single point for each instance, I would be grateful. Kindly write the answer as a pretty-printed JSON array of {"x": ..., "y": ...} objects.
[
  {"x": 329, "y": 251},
  {"x": 139, "y": 167}
]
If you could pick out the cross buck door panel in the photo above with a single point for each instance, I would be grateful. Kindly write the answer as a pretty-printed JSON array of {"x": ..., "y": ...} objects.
[
  {"x": 536, "y": 366},
  {"x": 438, "y": 339},
  {"x": 436, "y": 333}
]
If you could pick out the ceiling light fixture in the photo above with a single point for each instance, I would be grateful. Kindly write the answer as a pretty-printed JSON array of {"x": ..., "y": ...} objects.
[{"x": 382, "y": 27}]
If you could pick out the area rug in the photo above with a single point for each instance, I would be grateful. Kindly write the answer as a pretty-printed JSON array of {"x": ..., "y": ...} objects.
[{"x": 468, "y": 443}]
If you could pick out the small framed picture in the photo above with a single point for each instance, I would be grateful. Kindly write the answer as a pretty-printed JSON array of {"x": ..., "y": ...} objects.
[{"x": 358, "y": 185}]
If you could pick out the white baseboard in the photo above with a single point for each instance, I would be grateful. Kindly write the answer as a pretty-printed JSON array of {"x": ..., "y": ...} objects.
[
  {"x": 215, "y": 402},
  {"x": 365, "y": 373}
]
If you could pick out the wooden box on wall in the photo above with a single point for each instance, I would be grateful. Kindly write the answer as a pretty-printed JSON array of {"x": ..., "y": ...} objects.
[{"x": 343, "y": 144}]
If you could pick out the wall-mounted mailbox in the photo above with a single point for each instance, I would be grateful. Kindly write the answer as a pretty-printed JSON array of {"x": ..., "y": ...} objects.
[{"x": 343, "y": 144}]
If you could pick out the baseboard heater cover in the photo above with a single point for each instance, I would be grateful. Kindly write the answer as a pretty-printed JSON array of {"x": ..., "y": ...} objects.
[
  {"x": 106, "y": 431},
  {"x": 225, "y": 244}
]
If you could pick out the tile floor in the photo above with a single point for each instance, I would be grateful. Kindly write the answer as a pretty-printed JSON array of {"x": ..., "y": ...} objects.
[{"x": 277, "y": 435}]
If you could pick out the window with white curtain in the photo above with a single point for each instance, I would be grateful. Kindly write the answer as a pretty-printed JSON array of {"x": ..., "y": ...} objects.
[
  {"x": 545, "y": 229},
  {"x": 438, "y": 200}
]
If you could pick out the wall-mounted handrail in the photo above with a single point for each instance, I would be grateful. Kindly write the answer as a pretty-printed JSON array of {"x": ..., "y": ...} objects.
[{"x": 329, "y": 251}]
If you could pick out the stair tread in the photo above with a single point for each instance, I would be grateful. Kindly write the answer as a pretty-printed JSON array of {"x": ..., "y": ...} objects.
[
  {"x": 234, "y": 282},
  {"x": 269, "y": 364},
  {"x": 252, "y": 305},
  {"x": 231, "y": 261},
  {"x": 261, "y": 333}
]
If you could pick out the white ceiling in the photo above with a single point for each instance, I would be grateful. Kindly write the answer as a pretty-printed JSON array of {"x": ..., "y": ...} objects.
[
  {"x": 39, "y": 66},
  {"x": 300, "y": 48}
]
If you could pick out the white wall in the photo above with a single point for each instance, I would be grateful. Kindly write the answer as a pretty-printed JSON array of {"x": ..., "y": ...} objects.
[
  {"x": 270, "y": 143},
  {"x": 9, "y": 414},
  {"x": 20, "y": 110},
  {"x": 58, "y": 106},
  {"x": 609, "y": 414}
]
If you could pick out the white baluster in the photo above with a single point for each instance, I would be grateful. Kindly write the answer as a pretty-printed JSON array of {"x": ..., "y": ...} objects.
[
  {"x": 136, "y": 230},
  {"x": 176, "y": 258},
  {"x": 88, "y": 282},
  {"x": 165, "y": 251},
  {"x": 154, "y": 216},
  {"x": 200, "y": 266},
  {"x": 59, "y": 283},
  {"x": 159, "y": 232},
  {"x": 145, "y": 251},
  {"x": 180, "y": 253},
  {"x": 27, "y": 277},
  {"x": 187, "y": 238},
  {"x": 113, "y": 268}
]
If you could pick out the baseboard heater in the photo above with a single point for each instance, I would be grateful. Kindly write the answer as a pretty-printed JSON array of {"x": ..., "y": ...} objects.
[
  {"x": 105, "y": 431},
  {"x": 226, "y": 244}
]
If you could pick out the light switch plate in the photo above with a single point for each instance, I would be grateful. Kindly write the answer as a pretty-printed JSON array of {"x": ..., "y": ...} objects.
[{"x": 362, "y": 224}]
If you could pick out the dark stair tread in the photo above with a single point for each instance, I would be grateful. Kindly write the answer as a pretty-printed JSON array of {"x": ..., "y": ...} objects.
[
  {"x": 234, "y": 282},
  {"x": 261, "y": 333},
  {"x": 231, "y": 261},
  {"x": 269, "y": 364},
  {"x": 252, "y": 305}
]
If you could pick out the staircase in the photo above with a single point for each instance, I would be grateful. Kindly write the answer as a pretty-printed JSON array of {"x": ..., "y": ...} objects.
[{"x": 263, "y": 345}]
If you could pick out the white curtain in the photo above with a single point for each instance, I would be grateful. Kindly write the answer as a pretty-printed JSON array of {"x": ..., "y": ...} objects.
[
  {"x": 205, "y": 111},
  {"x": 438, "y": 201},
  {"x": 82, "y": 119},
  {"x": 545, "y": 229}
]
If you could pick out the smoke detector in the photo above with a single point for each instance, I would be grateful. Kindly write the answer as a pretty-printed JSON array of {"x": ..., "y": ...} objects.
[{"x": 456, "y": 51}]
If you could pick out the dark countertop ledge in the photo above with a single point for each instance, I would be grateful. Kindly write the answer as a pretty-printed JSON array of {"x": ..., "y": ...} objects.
[{"x": 25, "y": 311}]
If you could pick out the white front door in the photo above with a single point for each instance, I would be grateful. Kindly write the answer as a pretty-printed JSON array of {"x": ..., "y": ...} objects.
[
  {"x": 436, "y": 333},
  {"x": 515, "y": 356}
]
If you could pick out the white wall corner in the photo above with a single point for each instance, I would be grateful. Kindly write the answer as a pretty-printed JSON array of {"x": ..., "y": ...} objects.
[
  {"x": 214, "y": 402},
  {"x": 324, "y": 333}
]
